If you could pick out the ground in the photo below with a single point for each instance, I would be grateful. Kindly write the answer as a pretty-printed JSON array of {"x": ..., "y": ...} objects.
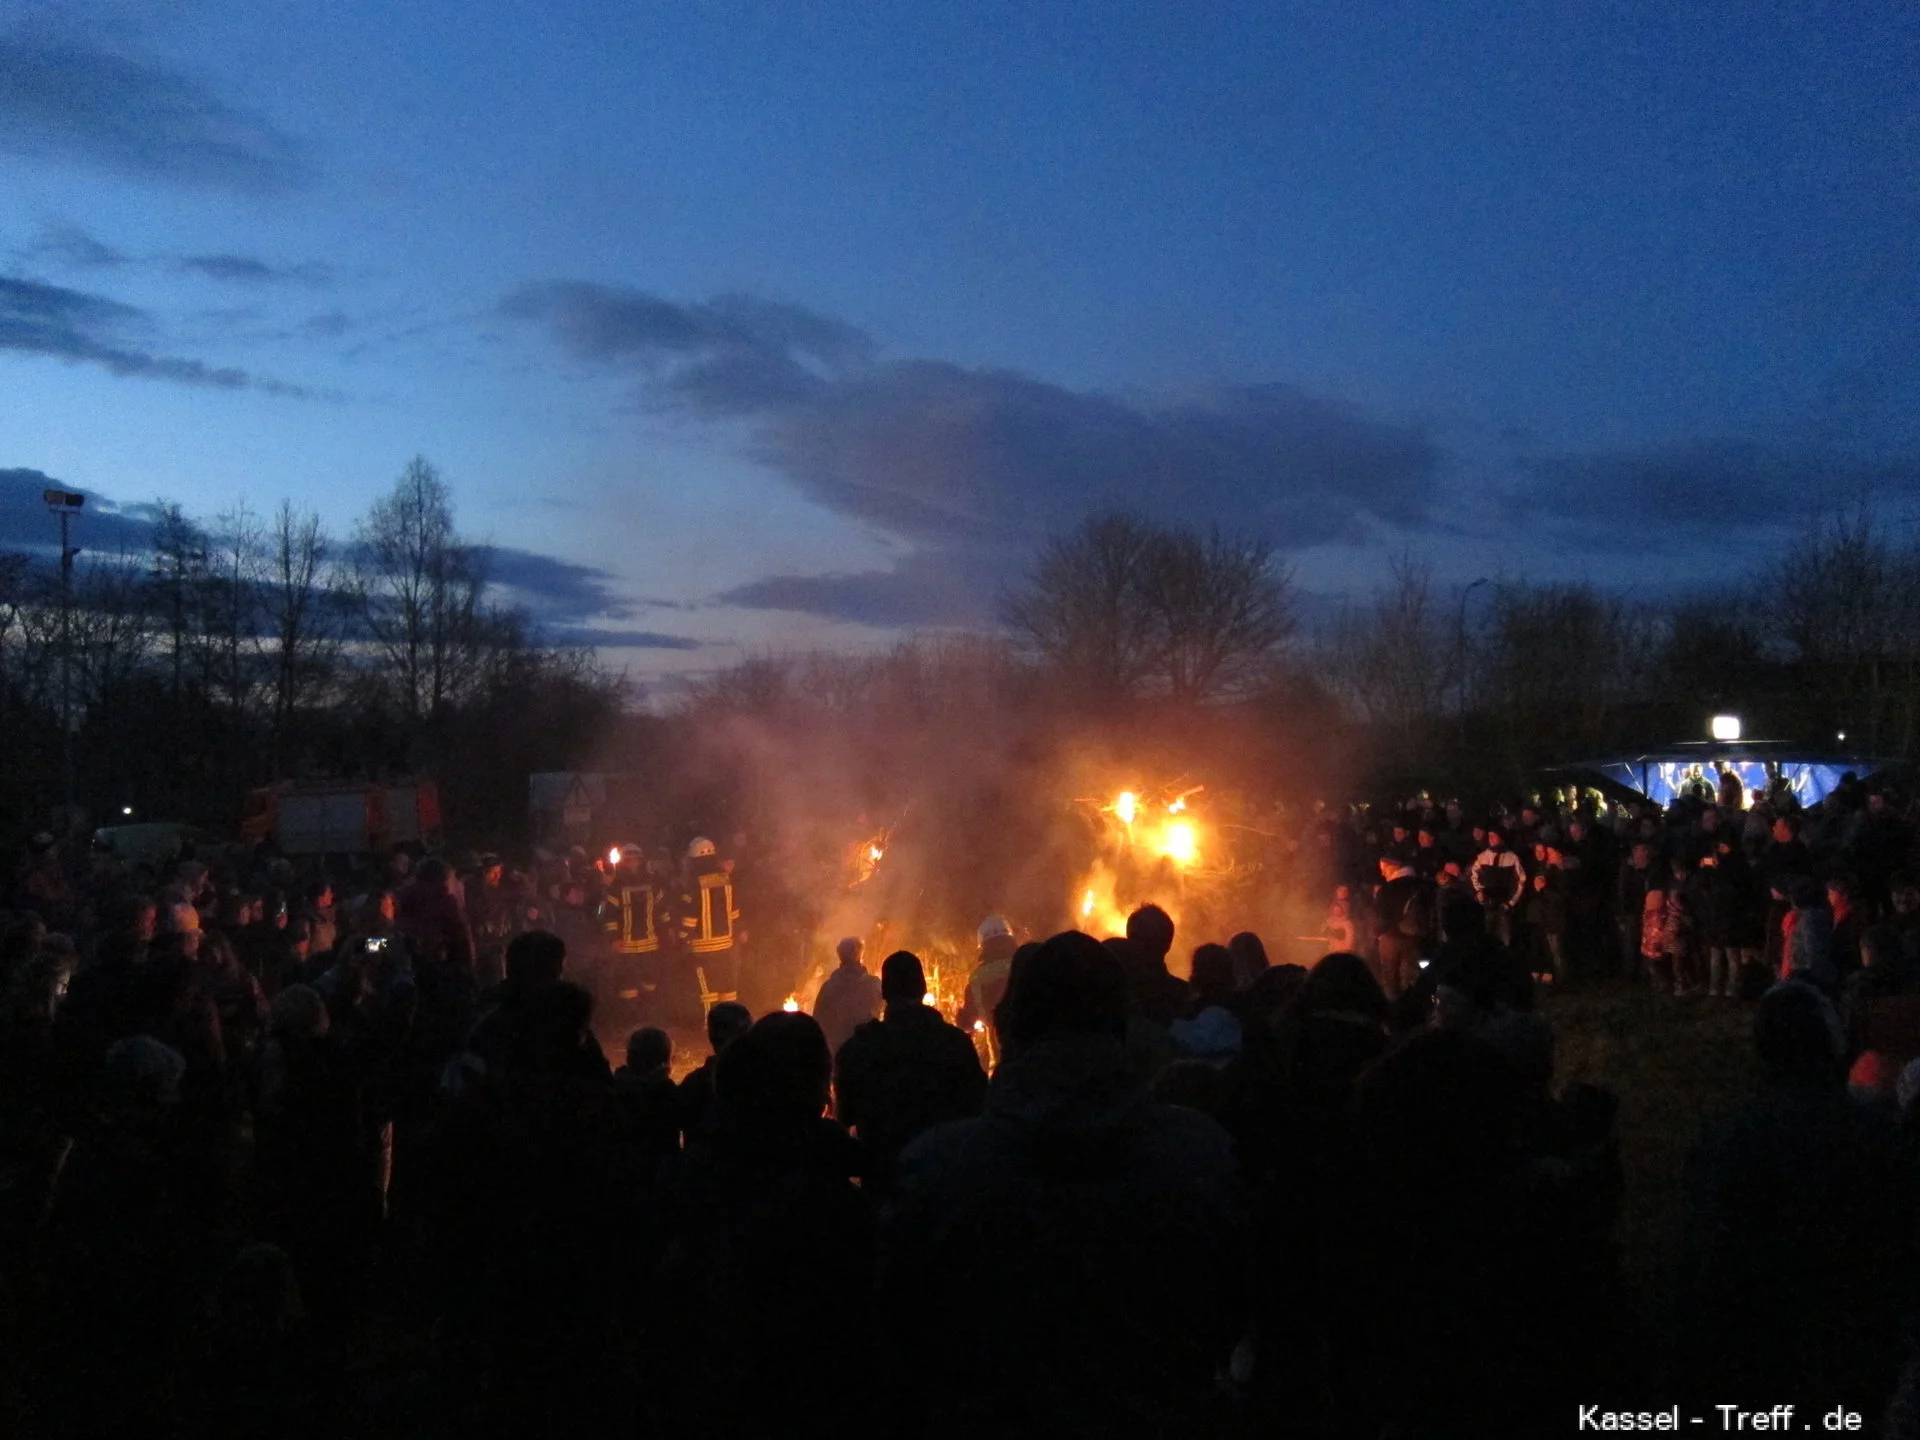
[{"x": 1673, "y": 1064}]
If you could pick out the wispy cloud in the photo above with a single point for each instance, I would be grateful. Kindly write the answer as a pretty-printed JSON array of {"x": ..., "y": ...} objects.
[
  {"x": 64, "y": 100},
  {"x": 561, "y": 591},
  {"x": 249, "y": 270},
  {"x": 83, "y": 328},
  {"x": 935, "y": 590},
  {"x": 69, "y": 245}
]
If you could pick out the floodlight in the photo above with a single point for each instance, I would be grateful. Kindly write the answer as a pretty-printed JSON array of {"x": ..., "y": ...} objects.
[{"x": 1725, "y": 727}]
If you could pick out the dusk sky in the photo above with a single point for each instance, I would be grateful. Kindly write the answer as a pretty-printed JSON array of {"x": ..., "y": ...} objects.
[{"x": 741, "y": 326}]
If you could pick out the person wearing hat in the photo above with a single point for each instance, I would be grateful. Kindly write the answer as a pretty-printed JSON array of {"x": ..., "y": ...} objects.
[
  {"x": 706, "y": 921},
  {"x": 988, "y": 983},
  {"x": 629, "y": 924}
]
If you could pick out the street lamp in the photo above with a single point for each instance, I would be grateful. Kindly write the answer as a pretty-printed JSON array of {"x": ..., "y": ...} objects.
[
  {"x": 1460, "y": 643},
  {"x": 66, "y": 504}
]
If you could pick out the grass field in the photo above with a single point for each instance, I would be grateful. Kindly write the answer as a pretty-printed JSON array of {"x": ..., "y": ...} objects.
[{"x": 1673, "y": 1064}]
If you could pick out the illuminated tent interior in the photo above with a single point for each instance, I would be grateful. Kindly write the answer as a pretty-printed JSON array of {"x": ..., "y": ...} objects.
[{"x": 1663, "y": 774}]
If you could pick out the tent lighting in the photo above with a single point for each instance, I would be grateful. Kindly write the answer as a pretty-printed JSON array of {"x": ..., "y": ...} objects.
[{"x": 1725, "y": 727}]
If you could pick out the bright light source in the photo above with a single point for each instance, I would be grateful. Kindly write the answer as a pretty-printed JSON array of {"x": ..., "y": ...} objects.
[
  {"x": 1841, "y": 737},
  {"x": 128, "y": 809},
  {"x": 928, "y": 999},
  {"x": 1725, "y": 727},
  {"x": 1126, "y": 806},
  {"x": 1086, "y": 905},
  {"x": 1182, "y": 846},
  {"x": 791, "y": 1004},
  {"x": 874, "y": 852},
  {"x": 613, "y": 856}
]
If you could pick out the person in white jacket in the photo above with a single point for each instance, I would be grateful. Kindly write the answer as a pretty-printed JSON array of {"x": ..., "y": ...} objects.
[{"x": 1499, "y": 883}]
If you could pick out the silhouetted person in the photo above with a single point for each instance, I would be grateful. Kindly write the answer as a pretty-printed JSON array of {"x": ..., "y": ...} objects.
[
  {"x": 769, "y": 1254},
  {"x": 528, "y": 1211},
  {"x": 693, "y": 1102},
  {"x": 1159, "y": 995},
  {"x": 1077, "y": 1246},
  {"x": 849, "y": 997},
  {"x": 1799, "y": 1252},
  {"x": 906, "y": 1072},
  {"x": 645, "y": 1099}
]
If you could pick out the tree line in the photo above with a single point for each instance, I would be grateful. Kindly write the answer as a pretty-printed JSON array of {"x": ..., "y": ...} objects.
[
  {"x": 247, "y": 648},
  {"x": 1483, "y": 681}
]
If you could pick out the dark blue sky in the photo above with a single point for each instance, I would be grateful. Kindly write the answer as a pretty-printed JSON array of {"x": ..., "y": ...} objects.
[{"x": 765, "y": 324}]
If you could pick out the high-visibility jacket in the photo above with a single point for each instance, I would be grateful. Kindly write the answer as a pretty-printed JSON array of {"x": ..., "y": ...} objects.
[
  {"x": 707, "y": 915},
  {"x": 627, "y": 916}
]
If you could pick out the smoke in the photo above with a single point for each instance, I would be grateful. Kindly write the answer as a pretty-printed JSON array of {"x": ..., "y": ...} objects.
[{"x": 983, "y": 787}]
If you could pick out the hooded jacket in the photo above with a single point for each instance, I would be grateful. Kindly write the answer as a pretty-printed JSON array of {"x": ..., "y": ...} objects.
[{"x": 1079, "y": 1244}]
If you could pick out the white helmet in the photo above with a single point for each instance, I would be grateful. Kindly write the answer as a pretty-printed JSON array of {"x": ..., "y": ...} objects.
[
  {"x": 994, "y": 928},
  {"x": 700, "y": 849}
]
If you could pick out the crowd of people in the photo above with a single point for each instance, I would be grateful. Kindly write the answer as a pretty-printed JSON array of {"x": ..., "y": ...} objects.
[
  {"x": 279, "y": 1159},
  {"x": 1710, "y": 895}
]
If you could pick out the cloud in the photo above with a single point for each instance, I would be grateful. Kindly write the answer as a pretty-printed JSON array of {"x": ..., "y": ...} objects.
[
  {"x": 934, "y": 590},
  {"x": 102, "y": 526},
  {"x": 70, "y": 245},
  {"x": 948, "y": 456},
  {"x": 81, "y": 328},
  {"x": 1673, "y": 496},
  {"x": 64, "y": 100},
  {"x": 735, "y": 355},
  {"x": 554, "y": 590},
  {"x": 246, "y": 270},
  {"x": 330, "y": 325},
  {"x": 559, "y": 595},
  {"x": 601, "y": 638}
]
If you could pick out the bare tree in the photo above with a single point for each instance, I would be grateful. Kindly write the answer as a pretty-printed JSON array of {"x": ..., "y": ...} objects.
[
  {"x": 1085, "y": 612},
  {"x": 1222, "y": 611},
  {"x": 417, "y": 588},
  {"x": 1558, "y": 660},
  {"x": 1393, "y": 658},
  {"x": 1121, "y": 607},
  {"x": 176, "y": 583},
  {"x": 229, "y": 613},
  {"x": 113, "y": 630},
  {"x": 297, "y": 638},
  {"x": 1847, "y": 602}
]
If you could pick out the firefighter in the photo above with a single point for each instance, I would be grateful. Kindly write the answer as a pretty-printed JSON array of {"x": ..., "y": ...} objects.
[
  {"x": 629, "y": 919},
  {"x": 988, "y": 984},
  {"x": 706, "y": 921},
  {"x": 490, "y": 914}
]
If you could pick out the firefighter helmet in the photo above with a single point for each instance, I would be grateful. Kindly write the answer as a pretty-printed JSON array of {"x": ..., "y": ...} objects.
[
  {"x": 701, "y": 849},
  {"x": 994, "y": 927}
]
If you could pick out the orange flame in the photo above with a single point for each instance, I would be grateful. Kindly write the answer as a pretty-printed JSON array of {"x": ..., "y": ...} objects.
[
  {"x": 791, "y": 1004},
  {"x": 1180, "y": 844}
]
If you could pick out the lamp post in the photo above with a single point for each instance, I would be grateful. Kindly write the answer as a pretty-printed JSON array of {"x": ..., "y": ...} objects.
[
  {"x": 66, "y": 505},
  {"x": 1460, "y": 645}
]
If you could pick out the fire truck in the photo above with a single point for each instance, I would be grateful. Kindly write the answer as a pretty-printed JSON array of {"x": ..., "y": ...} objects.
[{"x": 343, "y": 817}]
